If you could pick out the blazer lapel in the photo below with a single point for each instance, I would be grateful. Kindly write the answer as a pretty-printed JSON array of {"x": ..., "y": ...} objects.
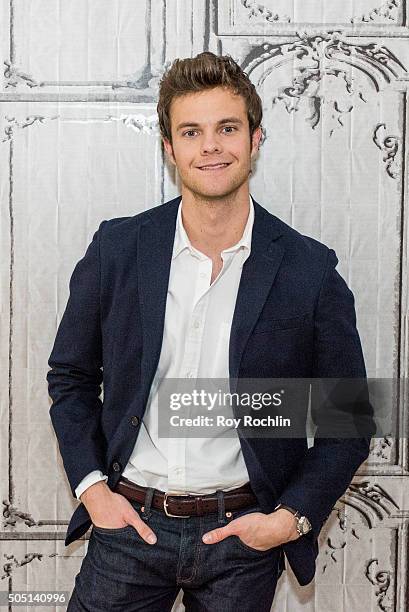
[
  {"x": 258, "y": 274},
  {"x": 155, "y": 246}
]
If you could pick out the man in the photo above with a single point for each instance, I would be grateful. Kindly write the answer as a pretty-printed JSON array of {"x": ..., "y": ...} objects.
[{"x": 208, "y": 285}]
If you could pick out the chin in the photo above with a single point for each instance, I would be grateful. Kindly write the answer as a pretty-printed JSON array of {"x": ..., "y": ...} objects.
[
  {"x": 213, "y": 195},
  {"x": 216, "y": 191}
]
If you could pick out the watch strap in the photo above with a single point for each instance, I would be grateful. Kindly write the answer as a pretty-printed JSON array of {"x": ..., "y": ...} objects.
[
  {"x": 297, "y": 517},
  {"x": 295, "y": 512}
]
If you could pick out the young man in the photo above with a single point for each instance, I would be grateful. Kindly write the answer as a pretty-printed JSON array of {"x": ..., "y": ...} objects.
[{"x": 208, "y": 285}]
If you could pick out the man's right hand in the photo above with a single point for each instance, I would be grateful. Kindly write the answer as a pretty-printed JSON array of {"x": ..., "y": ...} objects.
[{"x": 111, "y": 510}]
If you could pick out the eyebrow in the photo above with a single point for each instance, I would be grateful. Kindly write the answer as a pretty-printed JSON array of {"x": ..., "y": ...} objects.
[{"x": 220, "y": 122}]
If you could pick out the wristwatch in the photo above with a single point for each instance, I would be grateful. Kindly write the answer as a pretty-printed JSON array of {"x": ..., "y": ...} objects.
[{"x": 303, "y": 524}]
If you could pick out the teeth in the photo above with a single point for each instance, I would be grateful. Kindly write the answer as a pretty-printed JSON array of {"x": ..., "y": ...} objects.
[{"x": 218, "y": 166}]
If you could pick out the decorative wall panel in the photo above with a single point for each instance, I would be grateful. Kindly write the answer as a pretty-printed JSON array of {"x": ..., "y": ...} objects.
[{"x": 79, "y": 143}]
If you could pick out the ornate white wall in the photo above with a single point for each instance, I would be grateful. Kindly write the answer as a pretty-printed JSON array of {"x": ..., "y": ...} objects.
[{"x": 79, "y": 143}]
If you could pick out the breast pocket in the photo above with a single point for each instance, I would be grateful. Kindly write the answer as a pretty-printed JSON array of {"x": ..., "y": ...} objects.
[{"x": 268, "y": 325}]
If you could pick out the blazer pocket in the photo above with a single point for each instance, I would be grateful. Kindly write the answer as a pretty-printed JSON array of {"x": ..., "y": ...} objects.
[{"x": 267, "y": 325}]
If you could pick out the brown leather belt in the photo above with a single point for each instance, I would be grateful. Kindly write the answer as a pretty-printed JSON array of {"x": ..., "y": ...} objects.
[{"x": 184, "y": 505}]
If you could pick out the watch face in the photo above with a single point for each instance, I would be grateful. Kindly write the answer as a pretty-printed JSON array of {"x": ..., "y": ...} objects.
[{"x": 304, "y": 524}]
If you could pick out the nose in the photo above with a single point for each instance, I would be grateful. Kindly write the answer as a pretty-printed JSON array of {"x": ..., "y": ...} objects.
[{"x": 210, "y": 144}]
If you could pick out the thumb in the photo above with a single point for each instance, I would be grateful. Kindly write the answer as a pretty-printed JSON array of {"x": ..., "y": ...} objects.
[
  {"x": 142, "y": 528},
  {"x": 216, "y": 535}
]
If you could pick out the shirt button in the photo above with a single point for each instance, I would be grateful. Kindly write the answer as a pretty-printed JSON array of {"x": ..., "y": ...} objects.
[
  {"x": 116, "y": 466},
  {"x": 202, "y": 275},
  {"x": 196, "y": 324},
  {"x": 135, "y": 421}
]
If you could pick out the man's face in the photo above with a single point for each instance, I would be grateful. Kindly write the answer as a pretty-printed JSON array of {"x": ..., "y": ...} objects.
[{"x": 211, "y": 142}]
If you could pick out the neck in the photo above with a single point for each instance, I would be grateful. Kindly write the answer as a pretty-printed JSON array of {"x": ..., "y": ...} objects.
[{"x": 215, "y": 224}]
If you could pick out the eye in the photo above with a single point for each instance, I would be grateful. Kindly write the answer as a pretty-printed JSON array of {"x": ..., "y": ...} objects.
[{"x": 231, "y": 129}]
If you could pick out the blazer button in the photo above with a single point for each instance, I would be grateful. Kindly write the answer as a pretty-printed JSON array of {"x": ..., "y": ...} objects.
[
  {"x": 116, "y": 466},
  {"x": 135, "y": 421}
]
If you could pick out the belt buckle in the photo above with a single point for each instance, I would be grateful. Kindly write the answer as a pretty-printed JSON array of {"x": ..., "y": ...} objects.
[{"x": 165, "y": 504}]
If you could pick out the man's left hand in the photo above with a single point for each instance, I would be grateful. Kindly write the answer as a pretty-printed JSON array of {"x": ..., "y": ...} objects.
[{"x": 258, "y": 530}]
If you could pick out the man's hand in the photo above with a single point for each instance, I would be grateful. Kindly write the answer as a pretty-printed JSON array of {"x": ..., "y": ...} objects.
[
  {"x": 258, "y": 530},
  {"x": 111, "y": 510}
]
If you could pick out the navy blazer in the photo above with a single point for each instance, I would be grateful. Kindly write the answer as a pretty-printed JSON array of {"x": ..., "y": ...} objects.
[{"x": 294, "y": 317}]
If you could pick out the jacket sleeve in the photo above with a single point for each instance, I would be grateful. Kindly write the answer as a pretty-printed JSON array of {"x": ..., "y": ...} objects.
[
  {"x": 74, "y": 381},
  {"x": 330, "y": 464}
]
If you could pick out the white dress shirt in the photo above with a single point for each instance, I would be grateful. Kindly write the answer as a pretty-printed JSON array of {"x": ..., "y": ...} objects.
[{"x": 195, "y": 344}]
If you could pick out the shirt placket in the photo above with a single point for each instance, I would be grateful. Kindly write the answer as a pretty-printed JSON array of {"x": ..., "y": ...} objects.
[{"x": 189, "y": 369}]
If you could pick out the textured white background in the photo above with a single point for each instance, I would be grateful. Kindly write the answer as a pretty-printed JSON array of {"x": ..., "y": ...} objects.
[{"x": 79, "y": 143}]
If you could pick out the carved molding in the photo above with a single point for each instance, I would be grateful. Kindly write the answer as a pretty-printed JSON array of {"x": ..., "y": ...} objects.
[
  {"x": 329, "y": 546},
  {"x": 145, "y": 80},
  {"x": 382, "y": 447},
  {"x": 329, "y": 551},
  {"x": 372, "y": 503},
  {"x": 14, "y": 124},
  {"x": 256, "y": 10},
  {"x": 383, "y": 581},
  {"x": 13, "y": 515},
  {"x": 370, "y": 500},
  {"x": 387, "y": 10},
  {"x": 389, "y": 146},
  {"x": 12, "y": 562},
  {"x": 15, "y": 76},
  {"x": 138, "y": 122},
  {"x": 380, "y": 579},
  {"x": 324, "y": 54}
]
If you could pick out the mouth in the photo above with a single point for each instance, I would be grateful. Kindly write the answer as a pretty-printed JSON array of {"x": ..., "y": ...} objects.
[{"x": 213, "y": 167}]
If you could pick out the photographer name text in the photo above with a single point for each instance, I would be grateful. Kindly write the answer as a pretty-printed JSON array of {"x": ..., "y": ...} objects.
[{"x": 235, "y": 422}]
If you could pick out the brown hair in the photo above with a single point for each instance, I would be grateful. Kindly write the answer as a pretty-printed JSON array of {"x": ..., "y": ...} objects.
[{"x": 206, "y": 71}]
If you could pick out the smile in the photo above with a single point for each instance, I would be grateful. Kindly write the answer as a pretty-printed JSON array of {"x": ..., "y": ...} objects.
[{"x": 214, "y": 167}]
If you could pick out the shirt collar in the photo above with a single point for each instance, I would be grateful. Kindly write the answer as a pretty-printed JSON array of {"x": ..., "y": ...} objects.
[{"x": 182, "y": 240}]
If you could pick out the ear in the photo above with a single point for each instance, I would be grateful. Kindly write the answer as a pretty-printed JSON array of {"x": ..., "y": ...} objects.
[
  {"x": 255, "y": 141},
  {"x": 169, "y": 150}
]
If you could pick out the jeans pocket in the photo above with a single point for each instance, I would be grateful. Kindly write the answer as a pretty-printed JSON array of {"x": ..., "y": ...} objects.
[
  {"x": 112, "y": 529},
  {"x": 252, "y": 550},
  {"x": 243, "y": 512}
]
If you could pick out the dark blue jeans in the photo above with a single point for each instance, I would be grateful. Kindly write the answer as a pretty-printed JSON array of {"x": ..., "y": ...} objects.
[{"x": 120, "y": 571}]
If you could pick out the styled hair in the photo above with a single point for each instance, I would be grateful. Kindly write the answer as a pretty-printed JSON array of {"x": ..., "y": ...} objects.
[{"x": 203, "y": 72}]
